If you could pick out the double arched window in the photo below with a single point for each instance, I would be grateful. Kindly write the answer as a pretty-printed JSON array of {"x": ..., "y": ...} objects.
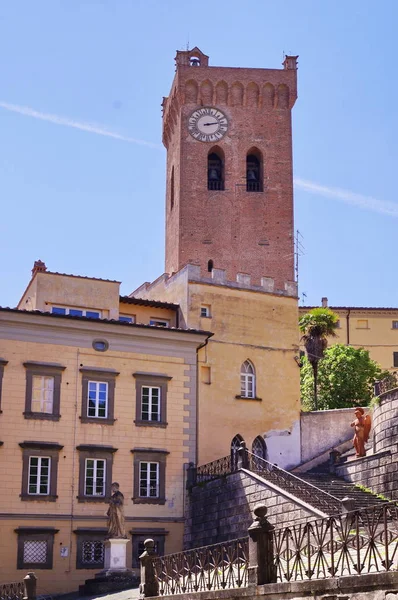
[
  {"x": 215, "y": 169},
  {"x": 247, "y": 380},
  {"x": 254, "y": 171}
]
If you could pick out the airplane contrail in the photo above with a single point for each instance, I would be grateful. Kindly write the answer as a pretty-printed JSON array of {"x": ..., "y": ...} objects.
[
  {"x": 383, "y": 207},
  {"x": 68, "y": 122}
]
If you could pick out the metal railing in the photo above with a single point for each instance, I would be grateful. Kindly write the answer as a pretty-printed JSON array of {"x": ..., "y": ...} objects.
[
  {"x": 363, "y": 541},
  {"x": 253, "y": 186},
  {"x": 287, "y": 481},
  {"x": 215, "y": 185},
  {"x": 215, "y": 567},
  {"x": 291, "y": 483},
  {"x": 12, "y": 591}
]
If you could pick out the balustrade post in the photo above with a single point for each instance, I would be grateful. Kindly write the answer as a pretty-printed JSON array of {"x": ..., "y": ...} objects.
[
  {"x": 29, "y": 584},
  {"x": 191, "y": 476},
  {"x": 149, "y": 585},
  {"x": 243, "y": 456},
  {"x": 262, "y": 567}
]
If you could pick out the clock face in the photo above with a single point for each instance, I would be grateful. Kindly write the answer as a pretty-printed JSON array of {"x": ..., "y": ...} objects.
[{"x": 207, "y": 124}]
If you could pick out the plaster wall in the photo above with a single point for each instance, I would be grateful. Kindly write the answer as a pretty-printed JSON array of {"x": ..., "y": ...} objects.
[{"x": 324, "y": 429}]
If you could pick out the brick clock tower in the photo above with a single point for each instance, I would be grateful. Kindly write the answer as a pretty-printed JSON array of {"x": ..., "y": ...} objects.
[{"x": 229, "y": 201}]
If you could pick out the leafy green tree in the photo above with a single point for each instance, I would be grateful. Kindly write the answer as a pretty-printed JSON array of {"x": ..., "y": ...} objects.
[
  {"x": 346, "y": 376},
  {"x": 316, "y": 326}
]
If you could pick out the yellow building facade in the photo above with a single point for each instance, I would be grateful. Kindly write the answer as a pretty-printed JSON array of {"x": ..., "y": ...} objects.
[
  {"x": 372, "y": 328},
  {"x": 86, "y": 401}
]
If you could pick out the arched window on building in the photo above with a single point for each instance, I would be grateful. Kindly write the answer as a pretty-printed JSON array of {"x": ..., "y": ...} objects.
[
  {"x": 235, "y": 445},
  {"x": 247, "y": 380},
  {"x": 210, "y": 266},
  {"x": 254, "y": 180},
  {"x": 259, "y": 447},
  {"x": 215, "y": 170}
]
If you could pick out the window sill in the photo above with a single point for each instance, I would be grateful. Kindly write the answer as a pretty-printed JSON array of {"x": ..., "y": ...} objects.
[
  {"x": 247, "y": 398},
  {"x": 96, "y": 566},
  {"x": 38, "y": 498},
  {"x": 95, "y": 499},
  {"x": 142, "y": 423},
  {"x": 97, "y": 420},
  {"x": 41, "y": 416},
  {"x": 149, "y": 500}
]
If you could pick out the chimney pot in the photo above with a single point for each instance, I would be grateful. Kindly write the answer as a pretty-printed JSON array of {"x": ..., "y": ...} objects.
[
  {"x": 324, "y": 302},
  {"x": 38, "y": 267}
]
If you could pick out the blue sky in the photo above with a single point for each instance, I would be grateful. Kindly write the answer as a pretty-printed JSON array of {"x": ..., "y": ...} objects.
[{"x": 82, "y": 168}]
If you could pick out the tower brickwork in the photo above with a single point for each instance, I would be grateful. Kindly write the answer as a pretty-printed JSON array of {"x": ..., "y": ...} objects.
[{"x": 229, "y": 200}]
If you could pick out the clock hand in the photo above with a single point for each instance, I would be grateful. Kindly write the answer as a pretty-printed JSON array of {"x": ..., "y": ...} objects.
[{"x": 214, "y": 123}]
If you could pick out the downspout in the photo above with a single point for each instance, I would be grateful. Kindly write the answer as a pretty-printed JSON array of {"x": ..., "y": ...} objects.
[
  {"x": 348, "y": 326},
  {"x": 197, "y": 397}
]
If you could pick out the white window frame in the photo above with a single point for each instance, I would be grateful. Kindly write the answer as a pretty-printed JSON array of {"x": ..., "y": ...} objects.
[
  {"x": 39, "y": 475},
  {"x": 123, "y": 316},
  {"x": 394, "y": 324},
  {"x": 39, "y": 385},
  {"x": 205, "y": 311},
  {"x": 147, "y": 479},
  {"x": 67, "y": 310},
  {"x": 150, "y": 402},
  {"x": 96, "y": 408},
  {"x": 247, "y": 380},
  {"x": 159, "y": 322},
  {"x": 96, "y": 461}
]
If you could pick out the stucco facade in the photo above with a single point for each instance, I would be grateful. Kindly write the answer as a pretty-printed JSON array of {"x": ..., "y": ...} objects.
[{"x": 67, "y": 513}]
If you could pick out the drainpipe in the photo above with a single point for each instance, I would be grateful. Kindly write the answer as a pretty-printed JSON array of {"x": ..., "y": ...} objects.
[{"x": 348, "y": 326}]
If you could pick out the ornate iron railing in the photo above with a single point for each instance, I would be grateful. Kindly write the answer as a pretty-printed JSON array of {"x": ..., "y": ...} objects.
[
  {"x": 12, "y": 591},
  {"x": 215, "y": 567},
  {"x": 364, "y": 541},
  {"x": 215, "y": 469},
  {"x": 291, "y": 483}
]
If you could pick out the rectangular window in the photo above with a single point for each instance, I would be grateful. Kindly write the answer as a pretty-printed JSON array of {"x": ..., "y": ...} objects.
[
  {"x": 247, "y": 385},
  {"x": 127, "y": 318},
  {"x": 338, "y": 325},
  {"x": 39, "y": 475},
  {"x": 150, "y": 403},
  {"x": 206, "y": 375},
  {"x": 76, "y": 312},
  {"x": 362, "y": 324},
  {"x": 160, "y": 322},
  {"x": 395, "y": 359},
  {"x": 42, "y": 394},
  {"x": 205, "y": 310},
  {"x": 92, "y": 553},
  {"x": 395, "y": 324},
  {"x": 94, "y": 477},
  {"x": 149, "y": 480},
  {"x": 97, "y": 405},
  {"x": 35, "y": 552}
]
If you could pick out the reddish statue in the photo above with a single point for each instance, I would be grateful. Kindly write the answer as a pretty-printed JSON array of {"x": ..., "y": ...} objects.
[{"x": 362, "y": 428}]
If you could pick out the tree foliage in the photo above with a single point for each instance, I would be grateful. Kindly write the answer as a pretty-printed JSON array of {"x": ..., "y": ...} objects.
[
  {"x": 316, "y": 326},
  {"x": 346, "y": 376}
]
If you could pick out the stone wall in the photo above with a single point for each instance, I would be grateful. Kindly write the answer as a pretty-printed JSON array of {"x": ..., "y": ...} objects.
[
  {"x": 323, "y": 430},
  {"x": 379, "y": 471},
  {"x": 222, "y": 509}
]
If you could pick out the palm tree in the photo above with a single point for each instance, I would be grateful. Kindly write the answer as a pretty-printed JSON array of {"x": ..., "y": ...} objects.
[{"x": 316, "y": 326}]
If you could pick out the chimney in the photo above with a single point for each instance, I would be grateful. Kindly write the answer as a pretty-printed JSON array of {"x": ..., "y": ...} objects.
[
  {"x": 38, "y": 267},
  {"x": 324, "y": 302}
]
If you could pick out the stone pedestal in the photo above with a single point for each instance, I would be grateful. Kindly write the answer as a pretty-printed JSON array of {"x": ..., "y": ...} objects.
[
  {"x": 115, "y": 557},
  {"x": 115, "y": 576}
]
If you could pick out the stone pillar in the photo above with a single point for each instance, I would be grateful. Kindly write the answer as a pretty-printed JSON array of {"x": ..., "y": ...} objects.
[
  {"x": 262, "y": 567},
  {"x": 115, "y": 556},
  {"x": 29, "y": 583},
  {"x": 149, "y": 585},
  {"x": 191, "y": 476},
  {"x": 243, "y": 457}
]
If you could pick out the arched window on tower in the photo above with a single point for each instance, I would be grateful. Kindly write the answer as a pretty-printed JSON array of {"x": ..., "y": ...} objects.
[
  {"x": 247, "y": 380},
  {"x": 235, "y": 445},
  {"x": 254, "y": 181},
  {"x": 215, "y": 170},
  {"x": 259, "y": 447},
  {"x": 210, "y": 266}
]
